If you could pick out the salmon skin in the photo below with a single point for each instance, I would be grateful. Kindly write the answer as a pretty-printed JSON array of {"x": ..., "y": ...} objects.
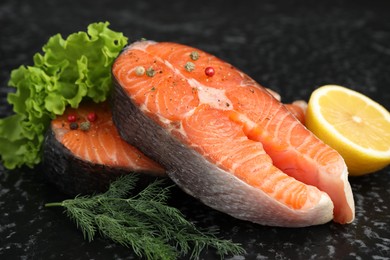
[
  {"x": 225, "y": 139},
  {"x": 86, "y": 159}
]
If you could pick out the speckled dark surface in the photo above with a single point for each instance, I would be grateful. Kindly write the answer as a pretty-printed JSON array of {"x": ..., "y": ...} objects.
[{"x": 290, "y": 47}]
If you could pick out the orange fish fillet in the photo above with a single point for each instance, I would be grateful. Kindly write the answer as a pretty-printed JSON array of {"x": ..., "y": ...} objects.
[
  {"x": 101, "y": 143},
  {"x": 225, "y": 139}
]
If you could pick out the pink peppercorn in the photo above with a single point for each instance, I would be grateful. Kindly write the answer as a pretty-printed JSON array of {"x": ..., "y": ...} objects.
[
  {"x": 72, "y": 118},
  {"x": 92, "y": 117},
  {"x": 209, "y": 71}
]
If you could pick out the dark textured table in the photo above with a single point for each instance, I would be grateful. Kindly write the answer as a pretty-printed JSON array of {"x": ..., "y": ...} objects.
[{"x": 289, "y": 46}]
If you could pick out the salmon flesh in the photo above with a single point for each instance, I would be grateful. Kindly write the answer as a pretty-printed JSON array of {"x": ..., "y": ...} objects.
[
  {"x": 225, "y": 139},
  {"x": 84, "y": 156}
]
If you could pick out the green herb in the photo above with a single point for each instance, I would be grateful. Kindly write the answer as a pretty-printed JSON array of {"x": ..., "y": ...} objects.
[
  {"x": 150, "y": 72},
  {"x": 194, "y": 55},
  {"x": 85, "y": 126},
  {"x": 67, "y": 72},
  {"x": 143, "y": 222},
  {"x": 189, "y": 66}
]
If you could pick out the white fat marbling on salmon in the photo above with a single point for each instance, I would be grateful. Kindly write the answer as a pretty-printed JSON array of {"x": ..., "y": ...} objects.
[
  {"x": 215, "y": 98},
  {"x": 170, "y": 66},
  {"x": 348, "y": 190}
]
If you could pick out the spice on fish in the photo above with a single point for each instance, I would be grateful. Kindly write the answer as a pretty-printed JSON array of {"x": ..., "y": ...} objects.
[
  {"x": 189, "y": 66},
  {"x": 73, "y": 126},
  {"x": 85, "y": 126},
  {"x": 150, "y": 72},
  {"x": 72, "y": 118},
  {"x": 209, "y": 71},
  {"x": 139, "y": 70},
  {"x": 92, "y": 117},
  {"x": 194, "y": 55}
]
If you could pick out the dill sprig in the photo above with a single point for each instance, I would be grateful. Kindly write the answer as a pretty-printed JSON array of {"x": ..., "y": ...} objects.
[{"x": 144, "y": 222}]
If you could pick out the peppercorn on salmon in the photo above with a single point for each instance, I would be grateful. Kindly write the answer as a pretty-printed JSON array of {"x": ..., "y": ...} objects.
[
  {"x": 225, "y": 139},
  {"x": 83, "y": 151}
]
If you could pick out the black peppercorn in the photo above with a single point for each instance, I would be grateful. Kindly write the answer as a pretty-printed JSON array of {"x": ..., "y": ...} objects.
[{"x": 73, "y": 126}]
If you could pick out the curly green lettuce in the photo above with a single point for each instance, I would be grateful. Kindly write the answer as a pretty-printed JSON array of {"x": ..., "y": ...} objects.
[{"x": 67, "y": 72}]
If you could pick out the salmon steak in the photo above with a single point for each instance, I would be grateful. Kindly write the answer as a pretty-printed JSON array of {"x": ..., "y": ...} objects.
[
  {"x": 225, "y": 139},
  {"x": 83, "y": 152}
]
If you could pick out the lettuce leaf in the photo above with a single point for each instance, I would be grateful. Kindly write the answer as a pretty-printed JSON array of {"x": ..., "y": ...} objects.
[{"x": 68, "y": 71}]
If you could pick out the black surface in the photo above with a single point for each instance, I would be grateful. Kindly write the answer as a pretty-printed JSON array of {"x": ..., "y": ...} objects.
[{"x": 291, "y": 47}]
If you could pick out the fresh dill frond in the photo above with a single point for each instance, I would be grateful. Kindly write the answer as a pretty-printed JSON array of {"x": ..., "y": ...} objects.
[
  {"x": 144, "y": 222},
  {"x": 121, "y": 187}
]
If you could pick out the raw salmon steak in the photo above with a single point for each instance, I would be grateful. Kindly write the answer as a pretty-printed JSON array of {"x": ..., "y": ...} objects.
[
  {"x": 225, "y": 139},
  {"x": 83, "y": 152}
]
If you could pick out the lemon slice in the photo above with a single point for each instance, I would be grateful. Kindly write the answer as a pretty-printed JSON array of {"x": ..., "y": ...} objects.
[{"x": 353, "y": 124}]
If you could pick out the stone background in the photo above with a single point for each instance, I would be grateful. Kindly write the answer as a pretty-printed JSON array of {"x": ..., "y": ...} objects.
[{"x": 292, "y": 47}]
